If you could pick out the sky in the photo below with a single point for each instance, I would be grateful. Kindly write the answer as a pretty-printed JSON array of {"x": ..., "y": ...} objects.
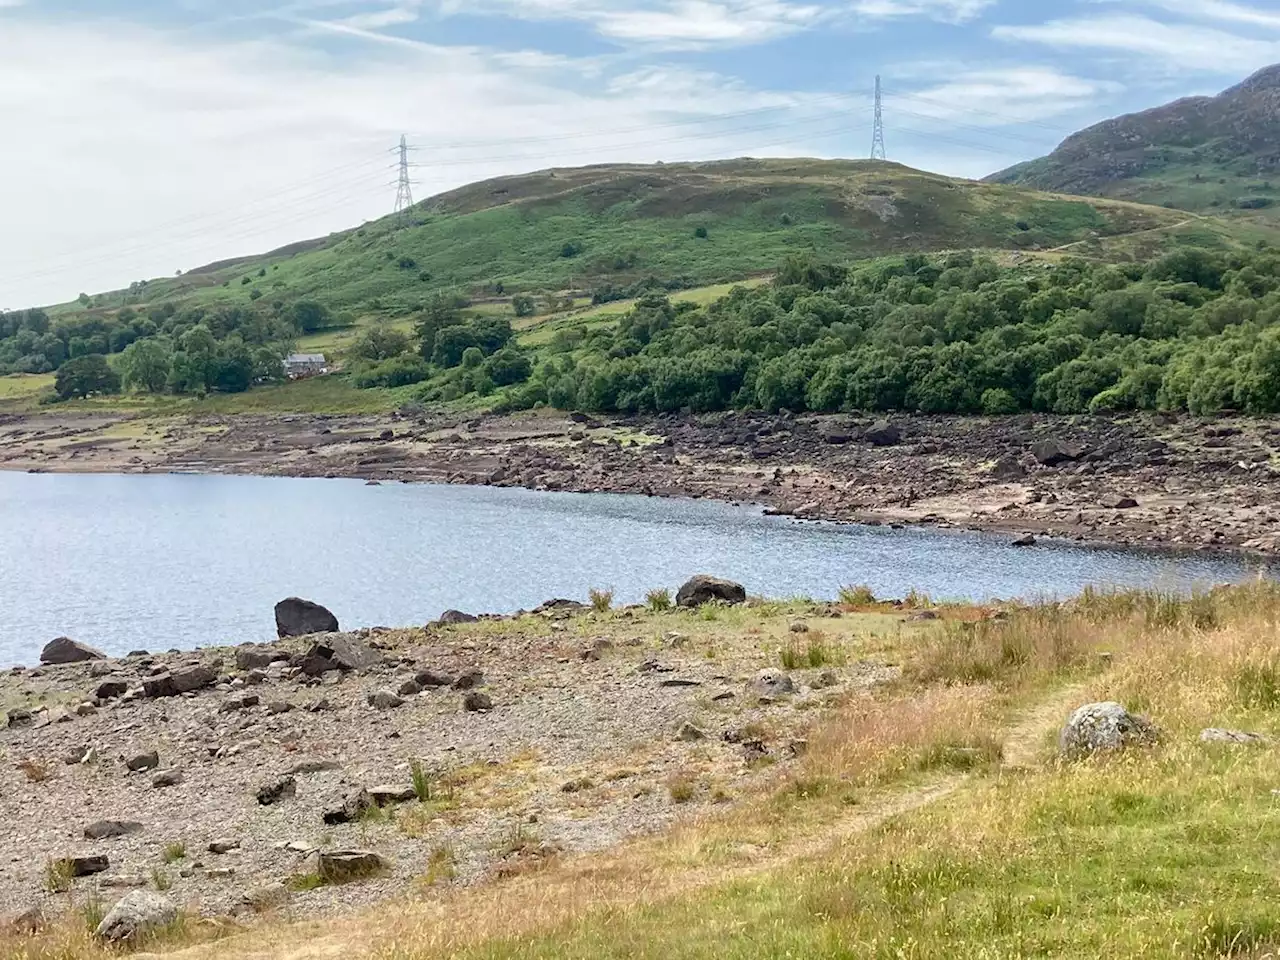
[{"x": 143, "y": 137}]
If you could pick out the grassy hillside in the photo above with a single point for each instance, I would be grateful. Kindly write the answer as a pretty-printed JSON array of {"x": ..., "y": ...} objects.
[
  {"x": 1205, "y": 154},
  {"x": 585, "y": 228}
]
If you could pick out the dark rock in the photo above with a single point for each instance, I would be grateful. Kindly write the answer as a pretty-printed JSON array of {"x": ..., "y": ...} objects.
[
  {"x": 477, "y": 702},
  {"x": 176, "y": 682},
  {"x": 773, "y": 683},
  {"x": 703, "y": 589},
  {"x": 560, "y": 606},
  {"x": 296, "y": 617},
  {"x": 469, "y": 680},
  {"x": 348, "y": 866},
  {"x": 883, "y": 434},
  {"x": 337, "y": 652},
  {"x": 277, "y": 707},
  {"x": 1115, "y": 501},
  {"x": 1104, "y": 727},
  {"x": 1008, "y": 468},
  {"x": 429, "y": 678},
  {"x": 18, "y": 717},
  {"x": 410, "y": 688},
  {"x": 66, "y": 650},
  {"x": 450, "y": 617},
  {"x": 258, "y": 657},
  {"x": 352, "y": 808},
  {"x": 286, "y": 788},
  {"x": 225, "y": 846},
  {"x": 86, "y": 866},
  {"x": 834, "y": 434},
  {"x": 243, "y": 702},
  {"x": 753, "y": 751},
  {"x": 110, "y": 689},
  {"x": 168, "y": 778},
  {"x": 106, "y": 829},
  {"x": 305, "y": 767},
  {"x": 1053, "y": 452},
  {"x": 144, "y": 761},
  {"x": 135, "y": 916},
  {"x": 1027, "y": 541}
]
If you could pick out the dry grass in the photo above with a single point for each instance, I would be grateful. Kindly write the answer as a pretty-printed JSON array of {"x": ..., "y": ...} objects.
[{"x": 34, "y": 770}]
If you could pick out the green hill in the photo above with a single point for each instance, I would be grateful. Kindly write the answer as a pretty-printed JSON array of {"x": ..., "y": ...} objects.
[
  {"x": 612, "y": 225},
  {"x": 1204, "y": 154}
]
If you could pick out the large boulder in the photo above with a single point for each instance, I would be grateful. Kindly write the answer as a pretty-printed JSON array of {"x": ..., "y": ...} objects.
[
  {"x": 181, "y": 680},
  {"x": 704, "y": 589},
  {"x": 296, "y": 617},
  {"x": 136, "y": 915},
  {"x": 883, "y": 434},
  {"x": 1103, "y": 728},
  {"x": 1053, "y": 452},
  {"x": 66, "y": 650},
  {"x": 254, "y": 657},
  {"x": 337, "y": 651}
]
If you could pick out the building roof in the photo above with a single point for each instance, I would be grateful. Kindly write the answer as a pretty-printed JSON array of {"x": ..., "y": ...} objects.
[{"x": 304, "y": 358}]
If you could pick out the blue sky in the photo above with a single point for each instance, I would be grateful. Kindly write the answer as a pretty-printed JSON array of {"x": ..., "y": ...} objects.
[{"x": 156, "y": 135}]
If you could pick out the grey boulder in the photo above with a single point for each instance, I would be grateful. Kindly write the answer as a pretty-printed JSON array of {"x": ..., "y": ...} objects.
[
  {"x": 773, "y": 683},
  {"x": 66, "y": 650},
  {"x": 1239, "y": 737},
  {"x": 296, "y": 617},
  {"x": 346, "y": 866},
  {"x": 1103, "y": 728},
  {"x": 136, "y": 915}
]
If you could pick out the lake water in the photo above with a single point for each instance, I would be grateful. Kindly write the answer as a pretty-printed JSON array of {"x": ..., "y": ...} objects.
[{"x": 153, "y": 562}]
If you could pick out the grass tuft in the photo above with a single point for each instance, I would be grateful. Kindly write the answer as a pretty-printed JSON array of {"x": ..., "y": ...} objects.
[
  {"x": 601, "y": 600},
  {"x": 658, "y": 601}
]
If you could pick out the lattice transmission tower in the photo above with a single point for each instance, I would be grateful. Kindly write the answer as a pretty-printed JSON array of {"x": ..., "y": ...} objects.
[
  {"x": 877, "y": 137},
  {"x": 404, "y": 191}
]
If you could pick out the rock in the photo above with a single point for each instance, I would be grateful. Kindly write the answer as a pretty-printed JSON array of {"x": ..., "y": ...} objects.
[
  {"x": 450, "y": 617},
  {"x": 19, "y": 717},
  {"x": 825, "y": 680},
  {"x": 834, "y": 434},
  {"x": 277, "y": 707},
  {"x": 1215, "y": 735},
  {"x": 477, "y": 702},
  {"x": 1027, "y": 541},
  {"x": 1053, "y": 452},
  {"x": 144, "y": 761},
  {"x": 351, "y": 809},
  {"x": 286, "y": 788},
  {"x": 1103, "y": 727},
  {"x": 883, "y": 434},
  {"x": 1114, "y": 501},
  {"x": 773, "y": 683},
  {"x": 410, "y": 688},
  {"x": 24, "y": 922},
  {"x": 560, "y": 605},
  {"x": 753, "y": 751},
  {"x": 136, "y": 915},
  {"x": 242, "y": 702},
  {"x": 337, "y": 652},
  {"x": 307, "y": 767},
  {"x": 385, "y": 700},
  {"x": 86, "y": 866},
  {"x": 224, "y": 846},
  {"x": 704, "y": 589},
  {"x": 169, "y": 778},
  {"x": 921, "y": 616},
  {"x": 689, "y": 733},
  {"x": 66, "y": 650},
  {"x": 799, "y": 626},
  {"x": 429, "y": 678},
  {"x": 110, "y": 689},
  {"x": 1008, "y": 468},
  {"x": 258, "y": 657},
  {"x": 385, "y": 796},
  {"x": 469, "y": 680},
  {"x": 347, "y": 866},
  {"x": 266, "y": 897},
  {"x": 296, "y": 617},
  {"x": 106, "y": 829},
  {"x": 177, "y": 682}
]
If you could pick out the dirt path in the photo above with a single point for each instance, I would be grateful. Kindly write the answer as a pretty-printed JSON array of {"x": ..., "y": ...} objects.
[
  {"x": 616, "y": 880},
  {"x": 1138, "y": 233}
]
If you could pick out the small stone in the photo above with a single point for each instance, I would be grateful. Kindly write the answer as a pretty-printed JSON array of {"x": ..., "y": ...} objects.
[
  {"x": 220, "y": 873},
  {"x": 286, "y": 788},
  {"x": 110, "y": 689},
  {"x": 351, "y": 809},
  {"x": 348, "y": 866},
  {"x": 242, "y": 702},
  {"x": 799, "y": 626},
  {"x": 429, "y": 678},
  {"x": 410, "y": 688},
  {"x": 477, "y": 702},
  {"x": 106, "y": 829},
  {"x": 1027, "y": 541},
  {"x": 167, "y": 778},
  {"x": 384, "y": 700},
  {"x": 825, "y": 680},
  {"x": 469, "y": 680},
  {"x": 144, "y": 761},
  {"x": 773, "y": 683},
  {"x": 1236, "y": 737},
  {"x": 306, "y": 767},
  {"x": 688, "y": 733},
  {"x": 86, "y": 866},
  {"x": 277, "y": 707},
  {"x": 386, "y": 796},
  {"x": 224, "y": 846}
]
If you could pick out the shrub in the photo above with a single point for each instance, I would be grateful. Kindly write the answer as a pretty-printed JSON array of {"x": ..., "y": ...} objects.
[
  {"x": 998, "y": 402},
  {"x": 601, "y": 600},
  {"x": 508, "y": 366},
  {"x": 860, "y": 596},
  {"x": 659, "y": 601},
  {"x": 700, "y": 233},
  {"x": 396, "y": 372},
  {"x": 380, "y": 342},
  {"x": 682, "y": 788},
  {"x": 174, "y": 852},
  {"x": 524, "y": 305}
]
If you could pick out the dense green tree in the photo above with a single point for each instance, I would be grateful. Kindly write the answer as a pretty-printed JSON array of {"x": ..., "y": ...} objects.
[
  {"x": 144, "y": 365},
  {"x": 379, "y": 342},
  {"x": 85, "y": 377}
]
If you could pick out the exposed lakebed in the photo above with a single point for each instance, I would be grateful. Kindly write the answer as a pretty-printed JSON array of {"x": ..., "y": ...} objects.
[{"x": 163, "y": 561}]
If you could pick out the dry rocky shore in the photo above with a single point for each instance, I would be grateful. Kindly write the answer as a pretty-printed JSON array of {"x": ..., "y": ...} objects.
[
  {"x": 1144, "y": 480},
  {"x": 330, "y": 770}
]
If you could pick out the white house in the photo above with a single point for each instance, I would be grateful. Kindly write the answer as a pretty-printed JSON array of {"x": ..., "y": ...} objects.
[{"x": 297, "y": 366}]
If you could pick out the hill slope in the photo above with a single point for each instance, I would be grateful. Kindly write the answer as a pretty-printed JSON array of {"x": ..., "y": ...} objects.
[
  {"x": 593, "y": 226},
  {"x": 1206, "y": 154}
]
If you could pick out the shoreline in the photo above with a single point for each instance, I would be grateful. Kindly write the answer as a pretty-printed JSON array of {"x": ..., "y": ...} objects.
[{"x": 1147, "y": 483}]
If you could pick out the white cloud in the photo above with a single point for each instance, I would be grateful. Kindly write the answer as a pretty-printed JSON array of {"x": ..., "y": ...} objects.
[
  {"x": 954, "y": 11},
  {"x": 1221, "y": 11},
  {"x": 149, "y": 151},
  {"x": 1004, "y": 96},
  {"x": 1181, "y": 46}
]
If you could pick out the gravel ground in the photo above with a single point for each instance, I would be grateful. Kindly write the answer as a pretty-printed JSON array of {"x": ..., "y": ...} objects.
[{"x": 579, "y": 752}]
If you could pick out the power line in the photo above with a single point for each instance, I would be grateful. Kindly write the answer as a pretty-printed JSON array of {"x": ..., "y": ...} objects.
[{"x": 877, "y": 135}]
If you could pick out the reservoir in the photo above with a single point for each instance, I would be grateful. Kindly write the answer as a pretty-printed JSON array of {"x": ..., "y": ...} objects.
[{"x": 179, "y": 561}]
